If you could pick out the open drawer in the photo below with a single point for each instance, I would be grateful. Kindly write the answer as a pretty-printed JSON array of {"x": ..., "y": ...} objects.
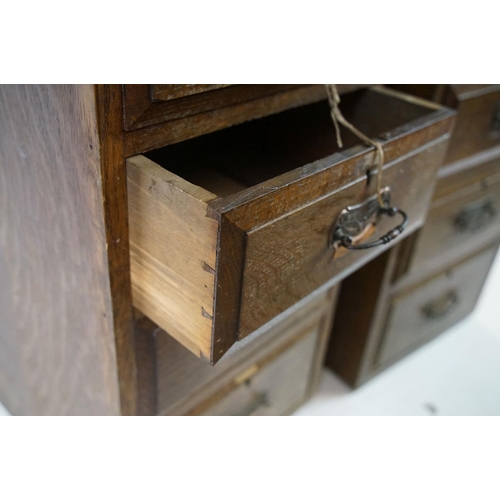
[{"x": 230, "y": 229}]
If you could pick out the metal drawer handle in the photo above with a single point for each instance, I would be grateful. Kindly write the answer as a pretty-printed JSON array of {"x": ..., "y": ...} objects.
[
  {"x": 441, "y": 306},
  {"x": 346, "y": 241},
  {"x": 475, "y": 216},
  {"x": 260, "y": 400},
  {"x": 352, "y": 221}
]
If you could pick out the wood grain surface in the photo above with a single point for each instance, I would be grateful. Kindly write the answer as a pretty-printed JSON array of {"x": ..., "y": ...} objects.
[
  {"x": 114, "y": 187},
  {"x": 173, "y": 252},
  {"x": 57, "y": 349}
]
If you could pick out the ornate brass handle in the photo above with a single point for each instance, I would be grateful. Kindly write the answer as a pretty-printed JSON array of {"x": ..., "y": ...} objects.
[
  {"x": 439, "y": 307},
  {"x": 352, "y": 221},
  {"x": 475, "y": 216}
]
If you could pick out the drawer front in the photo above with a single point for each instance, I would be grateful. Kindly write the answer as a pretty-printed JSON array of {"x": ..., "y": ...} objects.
[
  {"x": 477, "y": 169},
  {"x": 275, "y": 386},
  {"x": 183, "y": 381},
  {"x": 478, "y": 120},
  {"x": 419, "y": 314},
  {"x": 459, "y": 223},
  {"x": 211, "y": 270},
  {"x": 146, "y": 105},
  {"x": 289, "y": 257},
  {"x": 157, "y": 115}
]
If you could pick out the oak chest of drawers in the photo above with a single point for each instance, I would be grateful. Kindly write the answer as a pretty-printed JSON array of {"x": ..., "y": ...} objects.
[{"x": 200, "y": 226}]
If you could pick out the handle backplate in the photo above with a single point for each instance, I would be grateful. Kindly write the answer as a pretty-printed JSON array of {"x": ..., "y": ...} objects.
[
  {"x": 354, "y": 220},
  {"x": 475, "y": 216},
  {"x": 440, "y": 306}
]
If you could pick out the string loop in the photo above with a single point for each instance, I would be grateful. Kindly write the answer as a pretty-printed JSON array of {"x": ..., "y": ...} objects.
[{"x": 339, "y": 119}]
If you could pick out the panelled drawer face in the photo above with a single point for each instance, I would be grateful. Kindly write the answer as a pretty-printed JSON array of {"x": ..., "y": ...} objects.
[
  {"x": 459, "y": 222},
  {"x": 184, "y": 381},
  {"x": 275, "y": 388},
  {"x": 478, "y": 120},
  {"x": 155, "y": 116},
  {"x": 230, "y": 229},
  {"x": 146, "y": 105},
  {"x": 419, "y": 314}
]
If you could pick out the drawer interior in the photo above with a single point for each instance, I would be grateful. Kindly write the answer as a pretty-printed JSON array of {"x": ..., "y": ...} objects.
[{"x": 239, "y": 157}]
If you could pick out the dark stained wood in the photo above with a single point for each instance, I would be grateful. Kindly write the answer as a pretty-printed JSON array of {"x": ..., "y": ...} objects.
[
  {"x": 166, "y": 92},
  {"x": 144, "y": 108},
  {"x": 478, "y": 107},
  {"x": 170, "y": 123},
  {"x": 358, "y": 299},
  {"x": 145, "y": 348},
  {"x": 431, "y": 91},
  {"x": 474, "y": 129},
  {"x": 114, "y": 185},
  {"x": 404, "y": 252},
  {"x": 228, "y": 284},
  {"x": 57, "y": 348}
]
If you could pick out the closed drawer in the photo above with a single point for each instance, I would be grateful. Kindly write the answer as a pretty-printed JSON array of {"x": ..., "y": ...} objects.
[
  {"x": 174, "y": 382},
  {"x": 478, "y": 120},
  {"x": 183, "y": 381},
  {"x": 462, "y": 220},
  {"x": 422, "y": 312},
  {"x": 146, "y": 105},
  {"x": 157, "y": 115},
  {"x": 273, "y": 386},
  {"x": 230, "y": 229}
]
